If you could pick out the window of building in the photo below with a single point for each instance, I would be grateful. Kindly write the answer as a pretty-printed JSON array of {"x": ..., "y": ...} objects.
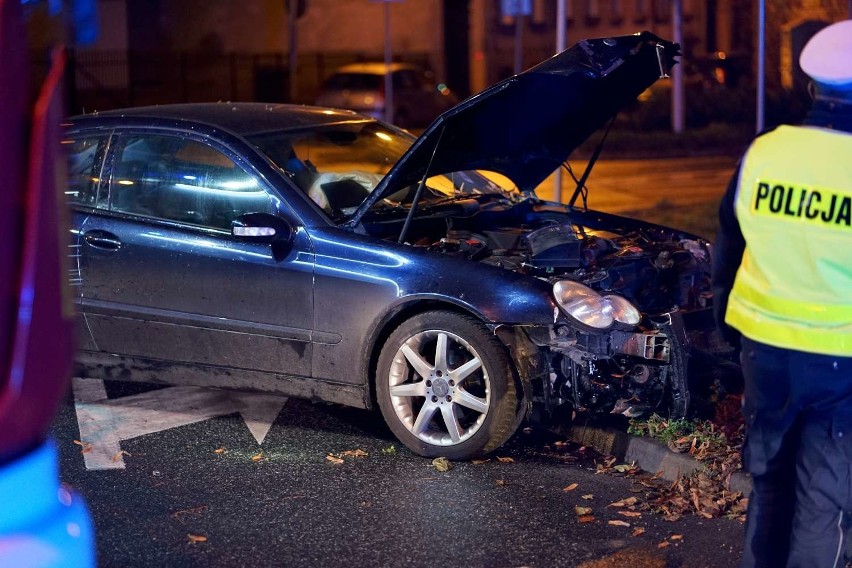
[
  {"x": 593, "y": 11},
  {"x": 662, "y": 10},
  {"x": 540, "y": 16},
  {"x": 640, "y": 10},
  {"x": 616, "y": 11}
]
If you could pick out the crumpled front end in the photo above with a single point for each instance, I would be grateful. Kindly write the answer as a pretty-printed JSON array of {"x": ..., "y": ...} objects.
[{"x": 633, "y": 371}]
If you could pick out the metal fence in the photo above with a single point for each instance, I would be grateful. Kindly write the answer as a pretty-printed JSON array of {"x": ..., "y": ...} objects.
[{"x": 101, "y": 79}]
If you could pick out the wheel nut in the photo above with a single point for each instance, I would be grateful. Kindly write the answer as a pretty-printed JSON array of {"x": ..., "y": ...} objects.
[
  {"x": 428, "y": 383},
  {"x": 434, "y": 398},
  {"x": 452, "y": 383},
  {"x": 439, "y": 373},
  {"x": 449, "y": 398}
]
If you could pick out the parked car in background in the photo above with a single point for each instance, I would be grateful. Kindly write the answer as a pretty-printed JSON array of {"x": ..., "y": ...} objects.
[
  {"x": 417, "y": 97},
  {"x": 324, "y": 254}
]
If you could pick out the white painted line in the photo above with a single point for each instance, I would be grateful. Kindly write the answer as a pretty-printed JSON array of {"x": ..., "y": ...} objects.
[{"x": 104, "y": 422}]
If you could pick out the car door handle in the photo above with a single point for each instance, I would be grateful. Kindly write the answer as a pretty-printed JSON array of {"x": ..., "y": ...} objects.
[{"x": 102, "y": 239}]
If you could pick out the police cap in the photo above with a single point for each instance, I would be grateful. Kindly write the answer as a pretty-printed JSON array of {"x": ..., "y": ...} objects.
[{"x": 827, "y": 57}]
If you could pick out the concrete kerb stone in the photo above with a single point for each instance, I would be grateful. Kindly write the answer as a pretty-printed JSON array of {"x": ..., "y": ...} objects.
[{"x": 647, "y": 453}]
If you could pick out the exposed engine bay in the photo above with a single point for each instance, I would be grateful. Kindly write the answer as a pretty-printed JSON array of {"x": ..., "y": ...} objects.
[{"x": 625, "y": 369}]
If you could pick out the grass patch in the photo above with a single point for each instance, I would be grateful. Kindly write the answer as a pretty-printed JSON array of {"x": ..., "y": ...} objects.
[
  {"x": 701, "y": 219},
  {"x": 699, "y": 436},
  {"x": 716, "y": 139}
]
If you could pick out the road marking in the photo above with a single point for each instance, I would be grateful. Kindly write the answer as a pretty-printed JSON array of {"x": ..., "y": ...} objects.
[{"x": 104, "y": 422}]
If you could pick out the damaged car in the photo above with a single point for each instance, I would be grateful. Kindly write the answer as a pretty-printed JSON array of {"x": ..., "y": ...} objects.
[{"x": 323, "y": 254}]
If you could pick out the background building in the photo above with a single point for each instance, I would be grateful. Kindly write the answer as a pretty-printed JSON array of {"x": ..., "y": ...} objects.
[{"x": 158, "y": 51}]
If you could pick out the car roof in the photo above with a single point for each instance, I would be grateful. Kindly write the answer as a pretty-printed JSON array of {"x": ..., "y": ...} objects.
[
  {"x": 243, "y": 119},
  {"x": 374, "y": 67}
]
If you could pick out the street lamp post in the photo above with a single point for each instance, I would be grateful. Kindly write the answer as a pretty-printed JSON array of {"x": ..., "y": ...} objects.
[
  {"x": 560, "y": 47},
  {"x": 761, "y": 64},
  {"x": 388, "y": 75},
  {"x": 677, "y": 72}
]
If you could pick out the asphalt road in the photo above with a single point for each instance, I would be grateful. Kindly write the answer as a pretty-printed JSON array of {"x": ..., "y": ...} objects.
[
  {"x": 200, "y": 478},
  {"x": 618, "y": 186}
]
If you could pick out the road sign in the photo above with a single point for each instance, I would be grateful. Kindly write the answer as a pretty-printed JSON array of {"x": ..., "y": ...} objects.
[{"x": 512, "y": 8}]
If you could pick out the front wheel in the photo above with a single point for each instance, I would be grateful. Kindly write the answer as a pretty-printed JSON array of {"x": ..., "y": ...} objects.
[{"x": 445, "y": 386}]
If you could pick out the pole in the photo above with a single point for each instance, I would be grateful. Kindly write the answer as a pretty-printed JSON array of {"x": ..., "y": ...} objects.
[
  {"x": 560, "y": 47},
  {"x": 677, "y": 80},
  {"x": 761, "y": 64},
  {"x": 519, "y": 43},
  {"x": 293, "y": 60},
  {"x": 388, "y": 78}
]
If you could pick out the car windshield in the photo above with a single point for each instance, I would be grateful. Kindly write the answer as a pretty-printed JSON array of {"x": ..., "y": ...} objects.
[{"x": 338, "y": 166}]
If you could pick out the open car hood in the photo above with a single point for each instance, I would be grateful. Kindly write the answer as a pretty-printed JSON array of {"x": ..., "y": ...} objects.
[{"x": 527, "y": 125}]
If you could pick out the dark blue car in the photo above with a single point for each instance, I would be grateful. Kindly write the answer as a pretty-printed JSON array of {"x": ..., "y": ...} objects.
[{"x": 323, "y": 254}]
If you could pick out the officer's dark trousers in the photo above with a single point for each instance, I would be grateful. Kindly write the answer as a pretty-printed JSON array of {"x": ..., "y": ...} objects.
[{"x": 798, "y": 448}]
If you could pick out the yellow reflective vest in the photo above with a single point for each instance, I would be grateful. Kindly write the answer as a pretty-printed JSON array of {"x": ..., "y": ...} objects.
[{"x": 793, "y": 288}]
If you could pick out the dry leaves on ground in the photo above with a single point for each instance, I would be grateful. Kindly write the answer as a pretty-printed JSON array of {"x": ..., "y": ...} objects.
[{"x": 442, "y": 464}]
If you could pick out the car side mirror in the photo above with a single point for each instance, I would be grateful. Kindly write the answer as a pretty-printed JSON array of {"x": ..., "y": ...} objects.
[{"x": 265, "y": 228}]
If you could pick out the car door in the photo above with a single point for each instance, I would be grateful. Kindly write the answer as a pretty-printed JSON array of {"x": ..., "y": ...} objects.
[{"x": 163, "y": 278}]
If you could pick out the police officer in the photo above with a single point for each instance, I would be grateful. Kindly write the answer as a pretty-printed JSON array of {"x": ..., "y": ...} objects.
[{"x": 783, "y": 280}]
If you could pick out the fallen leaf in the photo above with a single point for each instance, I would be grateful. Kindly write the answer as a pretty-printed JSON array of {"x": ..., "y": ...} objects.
[
  {"x": 359, "y": 453},
  {"x": 219, "y": 451},
  {"x": 582, "y": 510},
  {"x": 560, "y": 444},
  {"x": 85, "y": 447},
  {"x": 630, "y": 501},
  {"x": 586, "y": 518},
  {"x": 623, "y": 468},
  {"x": 618, "y": 523},
  {"x": 638, "y": 530},
  {"x": 333, "y": 459},
  {"x": 571, "y": 487},
  {"x": 196, "y": 538},
  {"x": 479, "y": 462},
  {"x": 443, "y": 464},
  {"x": 501, "y": 483},
  {"x": 663, "y": 544},
  {"x": 630, "y": 513},
  {"x": 588, "y": 497},
  {"x": 179, "y": 515},
  {"x": 257, "y": 457},
  {"x": 676, "y": 537},
  {"x": 118, "y": 455},
  {"x": 505, "y": 460},
  {"x": 389, "y": 450}
]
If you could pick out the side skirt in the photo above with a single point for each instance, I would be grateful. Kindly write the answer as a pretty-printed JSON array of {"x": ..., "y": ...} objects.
[{"x": 108, "y": 367}]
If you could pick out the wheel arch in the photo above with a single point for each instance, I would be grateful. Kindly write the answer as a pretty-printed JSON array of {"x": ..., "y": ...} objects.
[{"x": 404, "y": 311}]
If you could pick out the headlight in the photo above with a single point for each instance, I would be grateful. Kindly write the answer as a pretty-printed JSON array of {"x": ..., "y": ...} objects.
[{"x": 591, "y": 309}]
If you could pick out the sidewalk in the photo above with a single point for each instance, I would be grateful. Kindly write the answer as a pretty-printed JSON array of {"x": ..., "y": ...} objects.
[{"x": 647, "y": 453}]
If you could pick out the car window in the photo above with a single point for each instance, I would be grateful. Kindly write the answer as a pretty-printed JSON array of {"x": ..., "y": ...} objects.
[
  {"x": 172, "y": 178},
  {"x": 354, "y": 82},
  {"x": 406, "y": 79},
  {"x": 85, "y": 156}
]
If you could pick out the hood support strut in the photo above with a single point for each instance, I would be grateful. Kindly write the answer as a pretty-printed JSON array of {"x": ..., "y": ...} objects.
[
  {"x": 419, "y": 191},
  {"x": 582, "y": 181}
]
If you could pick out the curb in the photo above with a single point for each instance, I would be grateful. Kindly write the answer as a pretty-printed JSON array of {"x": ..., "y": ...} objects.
[{"x": 648, "y": 454}]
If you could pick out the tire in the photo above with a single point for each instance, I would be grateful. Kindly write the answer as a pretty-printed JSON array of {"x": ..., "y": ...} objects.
[{"x": 441, "y": 368}]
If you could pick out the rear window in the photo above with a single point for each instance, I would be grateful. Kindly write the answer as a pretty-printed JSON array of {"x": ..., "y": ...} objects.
[{"x": 355, "y": 82}]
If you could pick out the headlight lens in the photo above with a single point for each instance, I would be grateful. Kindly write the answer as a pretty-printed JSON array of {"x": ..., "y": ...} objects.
[
  {"x": 622, "y": 310},
  {"x": 591, "y": 309}
]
